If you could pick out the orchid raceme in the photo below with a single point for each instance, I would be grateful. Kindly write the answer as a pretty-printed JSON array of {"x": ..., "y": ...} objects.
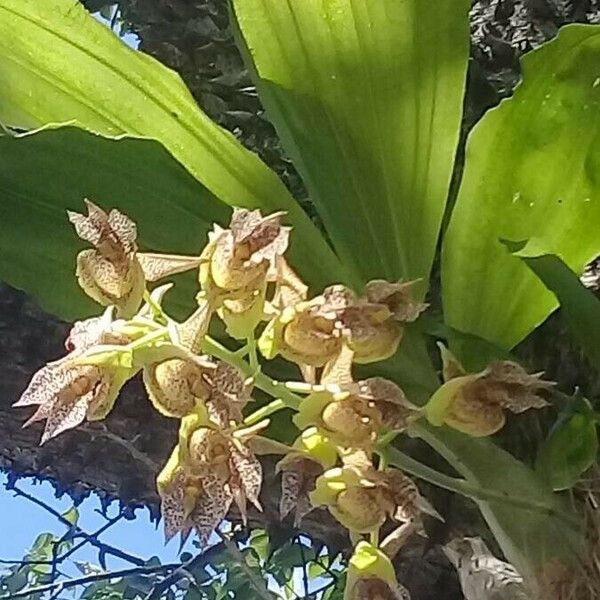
[
  {"x": 476, "y": 403},
  {"x": 338, "y": 459}
]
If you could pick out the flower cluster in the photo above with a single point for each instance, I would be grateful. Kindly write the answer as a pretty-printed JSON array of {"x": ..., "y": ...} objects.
[{"x": 337, "y": 462}]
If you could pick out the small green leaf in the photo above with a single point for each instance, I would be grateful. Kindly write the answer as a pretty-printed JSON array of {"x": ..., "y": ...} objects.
[
  {"x": 71, "y": 515},
  {"x": 570, "y": 450},
  {"x": 259, "y": 541}
]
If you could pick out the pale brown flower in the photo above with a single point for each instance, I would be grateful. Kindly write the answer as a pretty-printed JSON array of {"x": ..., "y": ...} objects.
[
  {"x": 68, "y": 392},
  {"x": 114, "y": 273},
  {"x": 476, "y": 403},
  {"x": 237, "y": 264},
  {"x": 362, "y": 498},
  {"x": 177, "y": 386}
]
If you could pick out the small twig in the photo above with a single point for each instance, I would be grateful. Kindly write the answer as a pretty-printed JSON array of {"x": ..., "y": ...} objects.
[
  {"x": 69, "y": 583},
  {"x": 106, "y": 548},
  {"x": 259, "y": 585},
  {"x": 184, "y": 571},
  {"x": 96, "y": 534},
  {"x": 24, "y": 563},
  {"x": 304, "y": 566}
]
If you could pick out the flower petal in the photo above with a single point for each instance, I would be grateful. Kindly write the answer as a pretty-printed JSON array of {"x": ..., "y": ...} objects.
[{"x": 157, "y": 266}]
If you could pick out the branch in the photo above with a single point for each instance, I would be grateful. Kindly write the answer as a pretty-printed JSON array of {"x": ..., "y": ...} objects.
[
  {"x": 105, "y": 548},
  {"x": 200, "y": 560},
  {"x": 69, "y": 583},
  {"x": 258, "y": 585}
]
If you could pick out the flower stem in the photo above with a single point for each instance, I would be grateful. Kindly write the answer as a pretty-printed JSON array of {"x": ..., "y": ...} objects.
[
  {"x": 465, "y": 488},
  {"x": 274, "y": 388},
  {"x": 252, "y": 354},
  {"x": 264, "y": 411}
]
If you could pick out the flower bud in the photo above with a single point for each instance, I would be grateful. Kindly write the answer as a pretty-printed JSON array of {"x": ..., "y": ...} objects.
[{"x": 371, "y": 576}]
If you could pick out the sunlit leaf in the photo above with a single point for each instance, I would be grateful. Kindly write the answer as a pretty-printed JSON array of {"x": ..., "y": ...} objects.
[
  {"x": 531, "y": 170},
  {"x": 59, "y": 64},
  {"x": 367, "y": 99},
  {"x": 43, "y": 174}
]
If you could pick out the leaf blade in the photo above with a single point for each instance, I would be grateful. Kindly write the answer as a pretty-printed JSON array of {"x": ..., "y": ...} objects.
[
  {"x": 87, "y": 76},
  {"x": 355, "y": 91},
  {"x": 514, "y": 187}
]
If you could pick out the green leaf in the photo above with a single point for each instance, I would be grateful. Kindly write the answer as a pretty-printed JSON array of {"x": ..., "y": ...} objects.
[
  {"x": 541, "y": 535},
  {"x": 259, "y": 541},
  {"x": 569, "y": 451},
  {"x": 367, "y": 99},
  {"x": 578, "y": 304},
  {"x": 532, "y": 170},
  {"x": 59, "y": 64},
  {"x": 42, "y": 175}
]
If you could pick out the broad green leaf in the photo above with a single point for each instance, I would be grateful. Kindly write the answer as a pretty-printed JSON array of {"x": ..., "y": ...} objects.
[
  {"x": 532, "y": 537},
  {"x": 579, "y": 305},
  {"x": 58, "y": 64},
  {"x": 570, "y": 450},
  {"x": 43, "y": 174},
  {"x": 367, "y": 99},
  {"x": 532, "y": 170}
]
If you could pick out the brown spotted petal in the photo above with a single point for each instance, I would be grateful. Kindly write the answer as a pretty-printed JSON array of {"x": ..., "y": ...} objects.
[
  {"x": 173, "y": 505},
  {"x": 158, "y": 266},
  {"x": 212, "y": 505},
  {"x": 246, "y": 478},
  {"x": 229, "y": 393},
  {"x": 113, "y": 234},
  {"x": 64, "y": 393},
  {"x": 391, "y": 402},
  {"x": 264, "y": 237},
  {"x": 298, "y": 477},
  {"x": 405, "y": 502},
  {"x": 397, "y": 297},
  {"x": 508, "y": 385}
]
